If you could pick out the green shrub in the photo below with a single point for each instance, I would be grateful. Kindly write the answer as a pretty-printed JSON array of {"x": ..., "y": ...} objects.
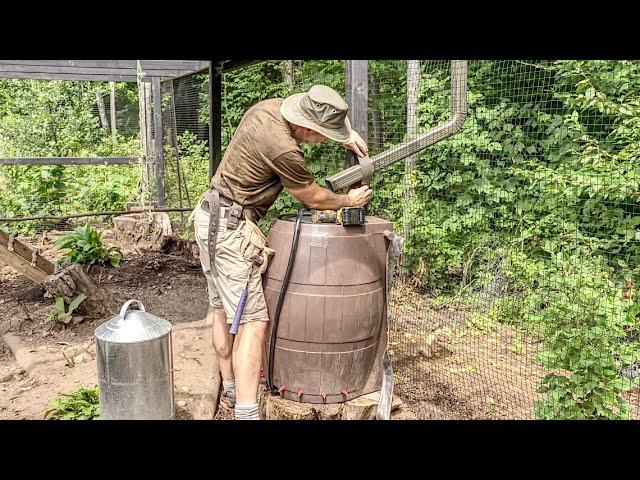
[
  {"x": 81, "y": 405},
  {"x": 85, "y": 246},
  {"x": 62, "y": 315},
  {"x": 586, "y": 320}
]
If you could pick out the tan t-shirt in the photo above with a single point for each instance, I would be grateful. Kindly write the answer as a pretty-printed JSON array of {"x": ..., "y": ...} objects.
[{"x": 261, "y": 159}]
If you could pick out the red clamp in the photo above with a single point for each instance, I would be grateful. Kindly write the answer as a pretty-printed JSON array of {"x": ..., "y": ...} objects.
[
  {"x": 300, "y": 393},
  {"x": 282, "y": 389}
]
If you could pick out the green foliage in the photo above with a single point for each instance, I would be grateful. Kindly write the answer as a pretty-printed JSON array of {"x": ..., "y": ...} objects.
[
  {"x": 82, "y": 404},
  {"x": 84, "y": 246},
  {"x": 543, "y": 165},
  {"x": 538, "y": 191},
  {"x": 56, "y": 119},
  {"x": 587, "y": 322},
  {"x": 194, "y": 164},
  {"x": 65, "y": 316}
]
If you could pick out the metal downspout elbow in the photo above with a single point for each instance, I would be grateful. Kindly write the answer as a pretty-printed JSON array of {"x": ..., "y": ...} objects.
[{"x": 451, "y": 126}]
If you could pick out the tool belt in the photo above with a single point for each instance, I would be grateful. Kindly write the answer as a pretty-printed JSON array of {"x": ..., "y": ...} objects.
[{"x": 233, "y": 213}]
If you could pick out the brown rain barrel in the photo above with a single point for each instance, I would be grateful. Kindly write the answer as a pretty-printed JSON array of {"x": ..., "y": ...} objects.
[{"x": 332, "y": 330}]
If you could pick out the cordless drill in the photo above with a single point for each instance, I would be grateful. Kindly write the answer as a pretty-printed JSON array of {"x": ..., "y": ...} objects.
[{"x": 346, "y": 216}]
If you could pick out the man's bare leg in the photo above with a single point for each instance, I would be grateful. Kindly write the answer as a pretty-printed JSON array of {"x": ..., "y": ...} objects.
[
  {"x": 247, "y": 360},
  {"x": 223, "y": 344}
]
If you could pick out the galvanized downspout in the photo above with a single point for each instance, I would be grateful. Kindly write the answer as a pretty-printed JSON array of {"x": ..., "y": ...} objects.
[{"x": 354, "y": 174}]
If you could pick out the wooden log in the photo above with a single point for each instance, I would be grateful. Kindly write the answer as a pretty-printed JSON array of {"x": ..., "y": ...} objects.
[
  {"x": 274, "y": 407},
  {"x": 142, "y": 230},
  {"x": 71, "y": 281},
  {"x": 366, "y": 406},
  {"x": 68, "y": 282}
]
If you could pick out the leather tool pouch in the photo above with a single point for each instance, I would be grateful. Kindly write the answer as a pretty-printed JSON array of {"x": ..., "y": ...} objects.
[{"x": 255, "y": 243}]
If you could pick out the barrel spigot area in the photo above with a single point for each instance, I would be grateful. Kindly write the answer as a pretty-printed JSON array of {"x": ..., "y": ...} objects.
[{"x": 331, "y": 332}]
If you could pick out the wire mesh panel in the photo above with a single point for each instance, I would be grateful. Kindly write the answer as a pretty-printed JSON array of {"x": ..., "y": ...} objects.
[
  {"x": 60, "y": 119},
  {"x": 185, "y": 121},
  {"x": 245, "y": 87},
  {"x": 517, "y": 296}
]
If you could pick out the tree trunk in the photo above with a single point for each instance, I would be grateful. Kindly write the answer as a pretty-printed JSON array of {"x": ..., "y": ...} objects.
[
  {"x": 71, "y": 281},
  {"x": 112, "y": 98},
  {"x": 142, "y": 230},
  {"x": 102, "y": 111},
  {"x": 288, "y": 74},
  {"x": 413, "y": 80},
  {"x": 149, "y": 126},
  {"x": 273, "y": 407},
  {"x": 145, "y": 121}
]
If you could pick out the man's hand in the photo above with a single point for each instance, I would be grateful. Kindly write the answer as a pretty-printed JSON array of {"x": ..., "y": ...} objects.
[
  {"x": 359, "y": 197},
  {"x": 356, "y": 144},
  {"x": 314, "y": 196}
]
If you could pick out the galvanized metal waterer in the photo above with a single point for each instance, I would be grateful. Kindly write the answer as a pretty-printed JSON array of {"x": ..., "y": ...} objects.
[{"x": 135, "y": 366}]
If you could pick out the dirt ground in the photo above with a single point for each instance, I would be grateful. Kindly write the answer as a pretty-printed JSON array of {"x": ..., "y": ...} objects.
[
  {"x": 444, "y": 361},
  {"x": 170, "y": 285},
  {"x": 59, "y": 359},
  {"x": 445, "y": 366}
]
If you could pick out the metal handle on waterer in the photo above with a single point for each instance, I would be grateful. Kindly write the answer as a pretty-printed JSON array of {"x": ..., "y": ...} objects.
[{"x": 125, "y": 307}]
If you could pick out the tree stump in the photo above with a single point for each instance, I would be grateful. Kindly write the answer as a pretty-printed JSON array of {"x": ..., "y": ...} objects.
[
  {"x": 142, "y": 230},
  {"x": 179, "y": 246},
  {"x": 274, "y": 407},
  {"x": 71, "y": 281}
]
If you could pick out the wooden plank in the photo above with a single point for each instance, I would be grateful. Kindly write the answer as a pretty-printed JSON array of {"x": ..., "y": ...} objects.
[
  {"x": 20, "y": 259},
  {"x": 157, "y": 64},
  {"x": 159, "y": 153},
  {"x": 67, "y": 160},
  {"x": 186, "y": 74},
  {"x": 129, "y": 67},
  {"x": 357, "y": 97},
  {"x": 149, "y": 208},
  {"x": 71, "y": 77},
  {"x": 215, "y": 119},
  {"x": 151, "y": 72},
  {"x": 105, "y": 70},
  {"x": 229, "y": 65},
  {"x": 21, "y": 265}
]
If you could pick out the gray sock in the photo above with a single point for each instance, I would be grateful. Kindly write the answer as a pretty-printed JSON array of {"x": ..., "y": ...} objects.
[
  {"x": 248, "y": 411},
  {"x": 230, "y": 389}
]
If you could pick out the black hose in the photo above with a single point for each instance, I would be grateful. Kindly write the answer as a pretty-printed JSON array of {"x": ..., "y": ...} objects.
[{"x": 283, "y": 291}]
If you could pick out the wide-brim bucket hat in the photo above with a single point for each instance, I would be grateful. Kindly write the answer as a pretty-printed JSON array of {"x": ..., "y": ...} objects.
[{"x": 321, "y": 109}]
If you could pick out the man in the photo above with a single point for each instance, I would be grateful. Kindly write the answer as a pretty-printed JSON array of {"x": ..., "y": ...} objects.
[{"x": 263, "y": 157}]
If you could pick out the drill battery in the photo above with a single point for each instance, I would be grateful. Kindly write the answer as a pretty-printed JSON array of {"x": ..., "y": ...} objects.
[{"x": 346, "y": 216}]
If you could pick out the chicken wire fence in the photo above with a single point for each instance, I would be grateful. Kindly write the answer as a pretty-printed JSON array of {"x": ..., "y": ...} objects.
[
  {"x": 516, "y": 293},
  {"x": 66, "y": 119}
]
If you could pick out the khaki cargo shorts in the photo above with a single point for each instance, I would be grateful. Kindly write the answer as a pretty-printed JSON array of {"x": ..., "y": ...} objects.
[{"x": 233, "y": 251}]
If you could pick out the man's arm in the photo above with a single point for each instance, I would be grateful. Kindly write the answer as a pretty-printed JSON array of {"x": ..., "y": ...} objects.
[{"x": 314, "y": 196}]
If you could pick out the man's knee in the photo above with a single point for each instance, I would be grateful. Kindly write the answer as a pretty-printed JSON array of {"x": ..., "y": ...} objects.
[
  {"x": 221, "y": 341},
  {"x": 255, "y": 327}
]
